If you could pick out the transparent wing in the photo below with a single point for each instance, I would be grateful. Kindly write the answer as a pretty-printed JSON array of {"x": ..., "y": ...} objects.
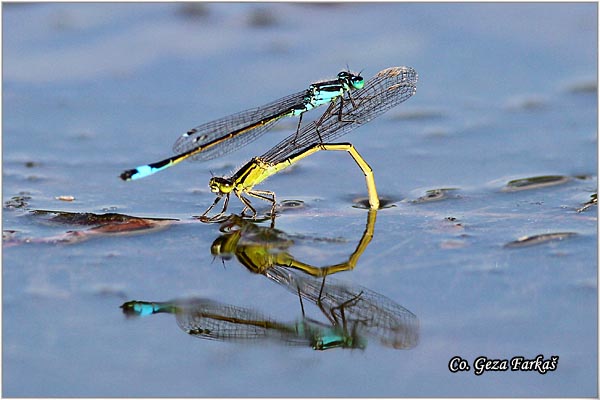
[
  {"x": 242, "y": 127},
  {"x": 384, "y": 91}
]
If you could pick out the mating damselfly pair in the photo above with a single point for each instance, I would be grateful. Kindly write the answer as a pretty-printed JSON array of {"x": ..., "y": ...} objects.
[{"x": 352, "y": 103}]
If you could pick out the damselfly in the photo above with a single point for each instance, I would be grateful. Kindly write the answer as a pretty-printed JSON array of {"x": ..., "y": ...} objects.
[
  {"x": 219, "y": 137},
  {"x": 385, "y": 90},
  {"x": 207, "y": 319}
]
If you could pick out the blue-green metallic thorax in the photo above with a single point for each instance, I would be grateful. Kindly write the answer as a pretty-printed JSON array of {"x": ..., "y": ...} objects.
[{"x": 322, "y": 93}]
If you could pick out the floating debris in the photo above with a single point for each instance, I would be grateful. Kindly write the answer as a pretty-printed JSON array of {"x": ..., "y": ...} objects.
[
  {"x": 65, "y": 198},
  {"x": 591, "y": 202},
  {"x": 436, "y": 195},
  {"x": 526, "y": 241},
  {"x": 101, "y": 225},
  {"x": 535, "y": 182},
  {"x": 21, "y": 201},
  {"x": 84, "y": 218}
]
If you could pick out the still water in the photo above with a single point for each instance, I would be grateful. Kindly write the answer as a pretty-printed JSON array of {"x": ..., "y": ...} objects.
[{"x": 486, "y": 244}]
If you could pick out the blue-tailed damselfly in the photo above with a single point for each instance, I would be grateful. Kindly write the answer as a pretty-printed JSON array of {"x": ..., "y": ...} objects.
[
  {"x": 221, "y": 136},
  {"x": 385, "y": 90}
]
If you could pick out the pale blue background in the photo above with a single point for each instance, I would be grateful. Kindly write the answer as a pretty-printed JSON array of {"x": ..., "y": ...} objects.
[{"x": 92, "y": 89}]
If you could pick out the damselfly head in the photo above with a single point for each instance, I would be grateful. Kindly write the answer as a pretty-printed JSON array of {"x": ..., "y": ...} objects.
[
  {"x": 219, "y": 248},
  {"x": 220, "y": 185},
  {"x": 353, "y": 81}
]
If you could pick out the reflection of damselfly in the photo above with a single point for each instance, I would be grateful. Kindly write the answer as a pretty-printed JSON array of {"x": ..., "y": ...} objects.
[
  {"x": 208, "y": 319},
  {"x": 385, "y": 90},
  {"x": 366, "y": 311},
  {"x": 219, "y": 137},
  {"x": 354, "y": 308},
  {"x": 259, "y": 248}
]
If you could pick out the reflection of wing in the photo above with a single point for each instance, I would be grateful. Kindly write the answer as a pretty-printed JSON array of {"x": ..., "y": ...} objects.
[
  {"x": 359, "y": 308},
  {"x": 208, "y": 319}
]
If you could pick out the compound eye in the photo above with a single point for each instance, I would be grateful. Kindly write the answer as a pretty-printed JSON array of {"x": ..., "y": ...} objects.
[{"x": 358, "y": 82}]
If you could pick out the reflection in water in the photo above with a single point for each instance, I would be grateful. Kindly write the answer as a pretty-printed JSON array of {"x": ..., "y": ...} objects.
[
  {"x": 353, "y": 312},
  {"x": 368, "y": 312},
  {"x": 259, "y": 248},
  {"x": 207, "y": 319},
  {"x": 262, "y": 251}
]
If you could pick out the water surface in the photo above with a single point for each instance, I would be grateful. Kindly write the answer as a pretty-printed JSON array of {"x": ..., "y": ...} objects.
[{"x": 506, "y": 93}]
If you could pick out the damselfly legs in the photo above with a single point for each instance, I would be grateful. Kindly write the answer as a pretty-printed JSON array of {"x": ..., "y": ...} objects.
[
  {"x": 385, "y": 90},
  {"x": 364, "y": 102}
]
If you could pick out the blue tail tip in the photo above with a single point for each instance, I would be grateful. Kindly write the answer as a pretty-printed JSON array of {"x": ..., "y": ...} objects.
[
  {"x": 137, "y": 173},
  {"x": 129, "y": 174}
]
